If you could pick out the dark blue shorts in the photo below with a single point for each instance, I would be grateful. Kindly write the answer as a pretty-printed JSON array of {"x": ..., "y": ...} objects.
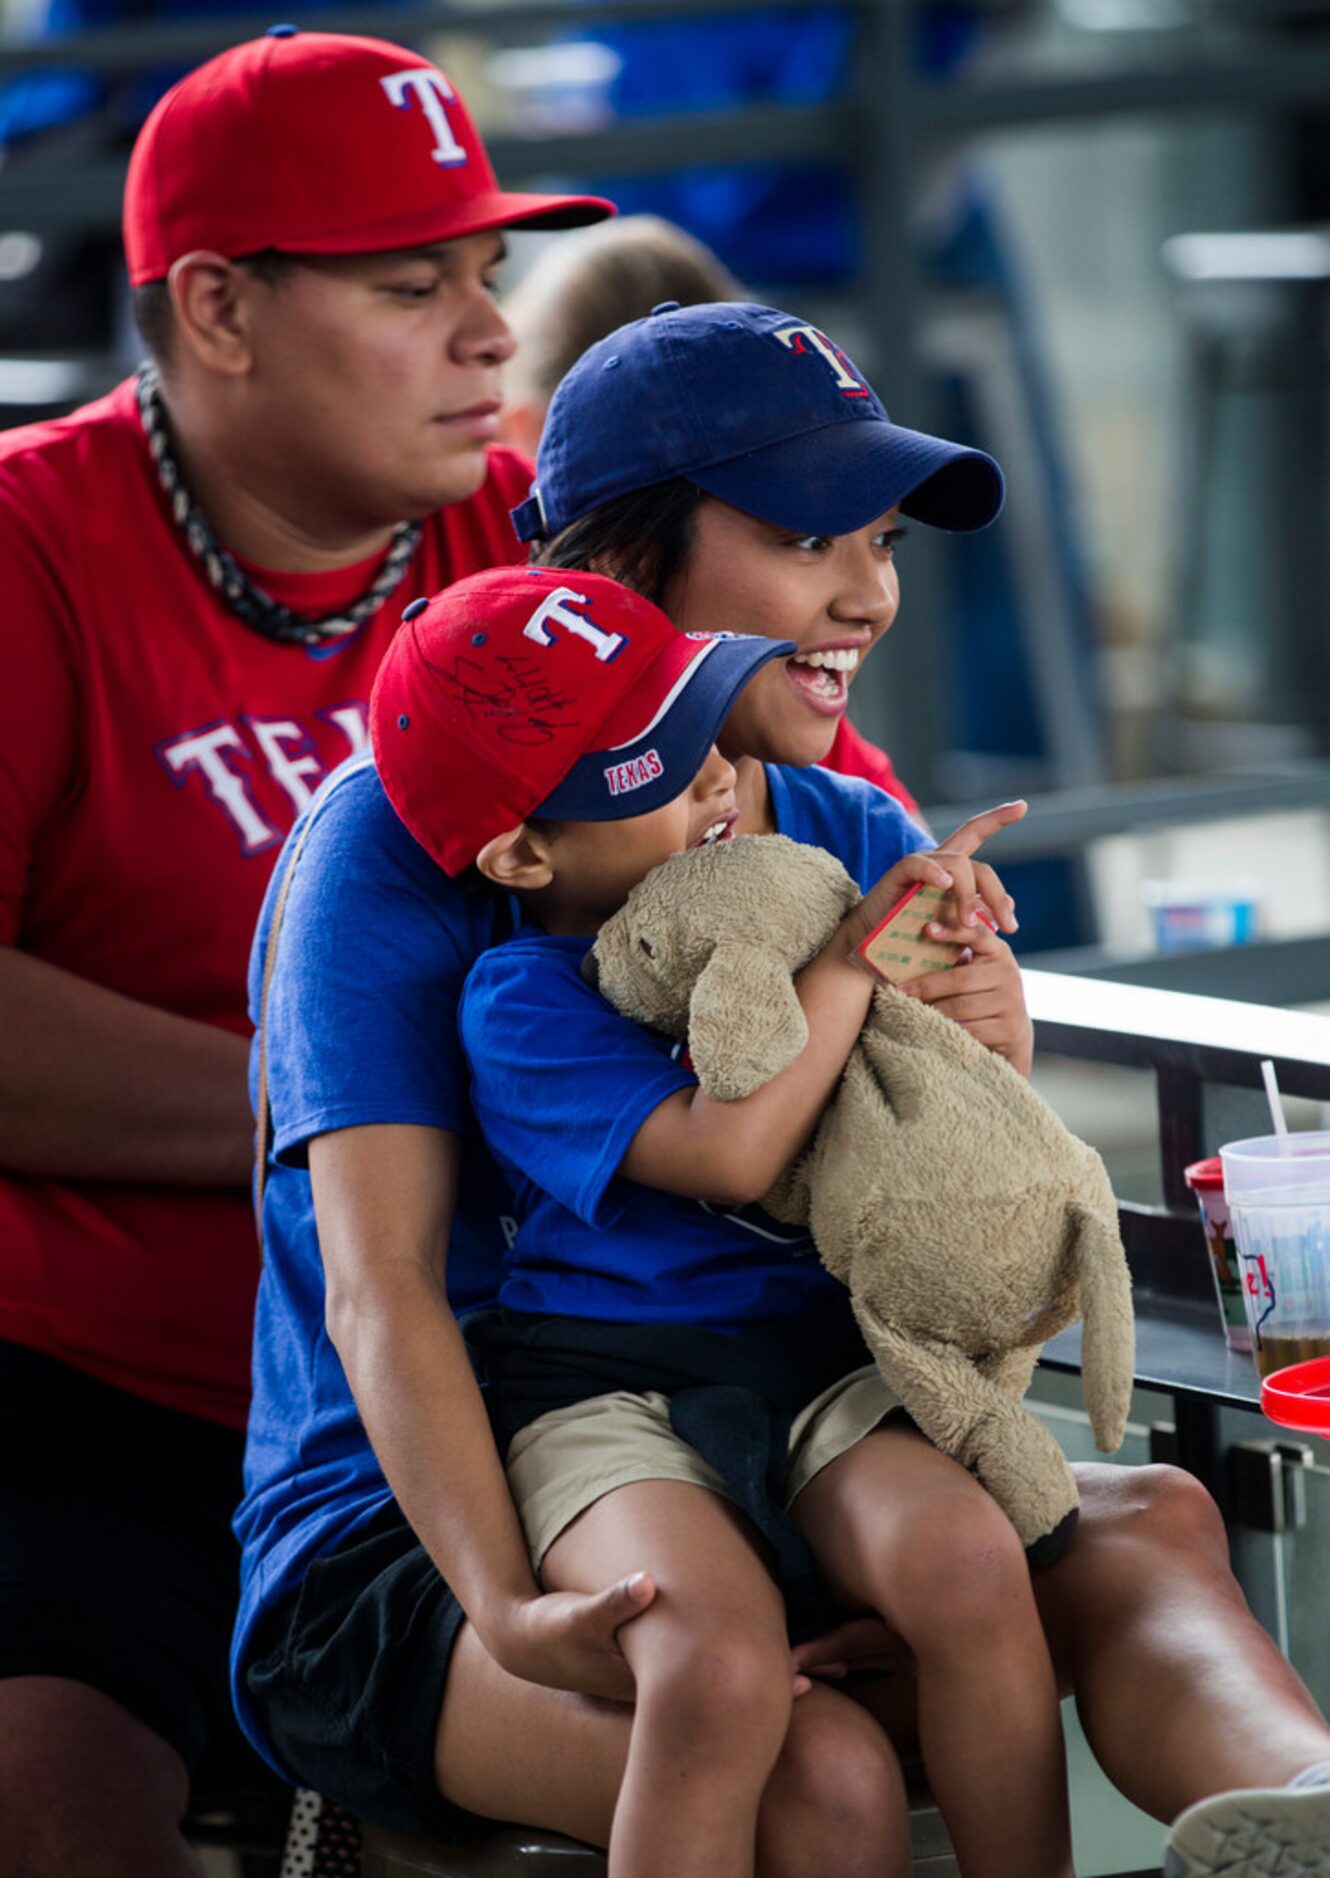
[{"x": 347, "y": 1679}]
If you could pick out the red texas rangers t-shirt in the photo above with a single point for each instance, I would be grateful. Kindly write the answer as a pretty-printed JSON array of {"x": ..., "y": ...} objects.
[{"x": 153, "y": 753}]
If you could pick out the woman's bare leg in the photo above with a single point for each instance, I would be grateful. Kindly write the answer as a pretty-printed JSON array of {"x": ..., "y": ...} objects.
[
  {"x": 1181, "y": 1692},
  {"x": 509, "y": 1749},
  {"x": 900, "y": 1529},
  {"x": 836, "y": 1799}
]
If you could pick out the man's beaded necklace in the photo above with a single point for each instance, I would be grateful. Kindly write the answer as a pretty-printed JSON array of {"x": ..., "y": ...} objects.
[{"x": 248, "y": 602}]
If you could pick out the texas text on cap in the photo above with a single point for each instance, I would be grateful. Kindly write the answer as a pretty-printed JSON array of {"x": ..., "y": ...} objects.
[
  {"x": 316, "y": 143},
  {"x": 535, "y": 690},
  {"x": 756, "y": 407}
]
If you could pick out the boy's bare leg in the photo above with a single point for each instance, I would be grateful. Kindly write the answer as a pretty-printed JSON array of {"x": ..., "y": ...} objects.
[
  {"x": 1180, "y": 1691},
  {"x": 902, "y": 1530},
  {"x": 711, "y": 1665},
  {"x": 711, "y": 1662}
]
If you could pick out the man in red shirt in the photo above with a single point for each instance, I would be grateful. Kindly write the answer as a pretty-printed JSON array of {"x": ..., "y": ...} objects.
[{"x": 201, "y": 572}]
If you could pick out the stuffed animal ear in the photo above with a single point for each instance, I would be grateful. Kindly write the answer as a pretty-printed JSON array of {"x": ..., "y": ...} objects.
[{"x": 745, "y": 1023}]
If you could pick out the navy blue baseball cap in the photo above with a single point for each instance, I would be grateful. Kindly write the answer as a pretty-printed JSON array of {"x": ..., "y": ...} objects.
[{"x": 756, "y": 407}]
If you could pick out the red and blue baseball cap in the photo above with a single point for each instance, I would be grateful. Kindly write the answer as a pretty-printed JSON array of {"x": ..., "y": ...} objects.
[
  {"x": 317, "y": 143},
  {"x": 533, "y": 691},
  {"x": 756, "y": 407}
]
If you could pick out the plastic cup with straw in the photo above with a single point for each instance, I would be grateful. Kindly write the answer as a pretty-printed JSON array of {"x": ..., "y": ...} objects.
[
  {"x": 1272, "y": 1096},
  {"x": 1278, "y": 1189}
]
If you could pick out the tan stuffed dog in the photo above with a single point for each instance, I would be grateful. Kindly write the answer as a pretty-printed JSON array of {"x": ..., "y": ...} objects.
[{"x": 967, "y": 1223}]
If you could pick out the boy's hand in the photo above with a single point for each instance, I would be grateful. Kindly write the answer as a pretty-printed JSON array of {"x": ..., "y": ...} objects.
[
  {"x": 973, "y": 884},
  {"x": 983, "y": 992},
  {"x": 569, "y": 1639}
]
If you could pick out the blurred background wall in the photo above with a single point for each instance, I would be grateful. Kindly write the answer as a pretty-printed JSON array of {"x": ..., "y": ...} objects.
[{"x": 1090, "y": 235}]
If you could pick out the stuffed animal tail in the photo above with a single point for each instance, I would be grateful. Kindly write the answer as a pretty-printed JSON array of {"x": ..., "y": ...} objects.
[
  {"x": 1108, "y": 1348},
  {"x": 979, "y": 1419}
]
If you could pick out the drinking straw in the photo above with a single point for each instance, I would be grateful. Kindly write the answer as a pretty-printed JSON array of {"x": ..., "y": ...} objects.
[{"x": 1272, "y": 1097}]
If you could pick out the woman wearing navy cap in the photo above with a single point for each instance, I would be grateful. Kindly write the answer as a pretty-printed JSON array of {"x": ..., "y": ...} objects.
[{"x": 732, "y": 462}]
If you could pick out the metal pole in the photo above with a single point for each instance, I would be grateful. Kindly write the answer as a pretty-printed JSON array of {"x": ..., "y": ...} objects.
[{"x": 899, "y": 699}]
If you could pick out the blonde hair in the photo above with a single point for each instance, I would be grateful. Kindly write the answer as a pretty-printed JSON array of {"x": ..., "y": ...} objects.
[{"x": 591, "y": 281}]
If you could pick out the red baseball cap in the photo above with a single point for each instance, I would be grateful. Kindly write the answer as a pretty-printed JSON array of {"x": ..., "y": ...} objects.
[
  {"x": 533, "y": 690},
  {"x": 316, "y": 143}
]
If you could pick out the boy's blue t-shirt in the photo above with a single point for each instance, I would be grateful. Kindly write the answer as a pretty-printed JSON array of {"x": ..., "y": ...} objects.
[
  {"x": 561, "y": 1084},
  {"x": 362, "y": 1028},
  {"x": 362, "y": 1021}
]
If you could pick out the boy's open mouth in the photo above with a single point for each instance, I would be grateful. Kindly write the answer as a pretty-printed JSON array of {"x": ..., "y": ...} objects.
[{"x": 721, "y": 830}]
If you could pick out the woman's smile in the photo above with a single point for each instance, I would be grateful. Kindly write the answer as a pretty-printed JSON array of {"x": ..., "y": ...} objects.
[
  {"x": 822, "y": 675},
  {"x": 833, "y": 595}
]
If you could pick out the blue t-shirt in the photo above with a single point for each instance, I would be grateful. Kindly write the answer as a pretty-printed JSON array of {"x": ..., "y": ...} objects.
[
  {"x": 561, "y": 1084},
  {"x": 362, "y": 1028}
]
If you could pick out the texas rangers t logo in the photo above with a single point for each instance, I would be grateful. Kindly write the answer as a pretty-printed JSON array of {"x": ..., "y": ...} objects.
[
  {"x": 556, "y": 606},
  {"x": 429, "y": 89},
  {"x": 799, "y": 338}
]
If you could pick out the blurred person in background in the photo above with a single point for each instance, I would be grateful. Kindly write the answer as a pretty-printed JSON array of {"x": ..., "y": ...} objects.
[{"x": 576, "y": 291}]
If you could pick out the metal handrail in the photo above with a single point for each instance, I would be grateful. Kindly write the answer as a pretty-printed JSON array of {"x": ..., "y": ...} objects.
[{"x": 1204, "y": 1040}]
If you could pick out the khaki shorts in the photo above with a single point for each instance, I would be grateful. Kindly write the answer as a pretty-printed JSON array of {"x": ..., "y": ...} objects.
[{"x": 563, "y": 1462}]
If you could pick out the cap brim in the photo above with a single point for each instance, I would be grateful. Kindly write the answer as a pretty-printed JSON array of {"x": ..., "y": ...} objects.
[
  {"x": 492, "y": 208},
  {"x": 835, "y": 480},
  {"x": 660, "y": 759}
]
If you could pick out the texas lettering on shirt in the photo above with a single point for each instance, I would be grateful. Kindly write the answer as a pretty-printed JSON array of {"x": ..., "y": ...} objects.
[
  {"x": 223, "y": 758},
  {"x": 155, "y": 752}
]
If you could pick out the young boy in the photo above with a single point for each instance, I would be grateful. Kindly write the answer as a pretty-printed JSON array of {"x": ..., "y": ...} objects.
[{"x": 555, "y": 732}]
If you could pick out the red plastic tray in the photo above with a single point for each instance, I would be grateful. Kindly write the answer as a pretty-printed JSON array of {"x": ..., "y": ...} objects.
[{"x": 1299, "y": 1396}]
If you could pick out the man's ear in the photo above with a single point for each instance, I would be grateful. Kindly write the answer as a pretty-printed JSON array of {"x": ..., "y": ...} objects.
[
  {"x": 208, "y": 302},
  {"x": 518, "y": 859}
]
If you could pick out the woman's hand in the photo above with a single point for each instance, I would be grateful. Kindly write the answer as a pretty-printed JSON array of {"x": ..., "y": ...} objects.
[
  {"x": 862, "y": 1643},
  {"x": 570, "y": 1639},
  {"x": 983, "y": 992},
  {"x": 974, "y": 889}
]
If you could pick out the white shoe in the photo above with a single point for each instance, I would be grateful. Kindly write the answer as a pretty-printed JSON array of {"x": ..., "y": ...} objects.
[{"x": 1251, "y": 1833}]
